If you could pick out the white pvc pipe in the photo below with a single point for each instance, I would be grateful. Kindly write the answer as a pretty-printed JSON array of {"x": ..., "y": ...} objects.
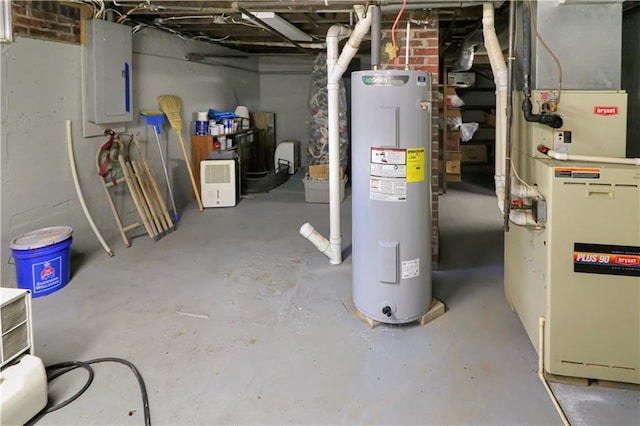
[
  {"x": 76, "y": 182},
  {"x": 521, "y": 191},
  {"x": 318, "y": 240},
  {"x": 499, "y": 68},
  {"x": 592, "y": 159},
  {"x": 336, "y": 66},
  {"x": 556, "y": 404},
  {"x": 521, "y": 217},
  {"x": 406, "y": 48}
]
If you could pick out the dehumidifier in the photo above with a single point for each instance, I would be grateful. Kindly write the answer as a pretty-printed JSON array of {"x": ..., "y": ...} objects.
[
  {"x": 23, "y": 380},
  {"x": 220, "y": 183}
]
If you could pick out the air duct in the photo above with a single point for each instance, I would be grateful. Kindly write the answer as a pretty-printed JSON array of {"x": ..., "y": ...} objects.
[{"x": 467, "y": 52}]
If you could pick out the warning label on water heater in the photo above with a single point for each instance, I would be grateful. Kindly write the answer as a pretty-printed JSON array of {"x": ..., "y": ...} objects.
[
  {"x": 388, "y": 177},
  {"x": 415, "y": 164}
]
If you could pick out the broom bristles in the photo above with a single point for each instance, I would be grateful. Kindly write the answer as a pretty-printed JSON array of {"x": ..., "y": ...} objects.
[{"x": 170, "y": 105}]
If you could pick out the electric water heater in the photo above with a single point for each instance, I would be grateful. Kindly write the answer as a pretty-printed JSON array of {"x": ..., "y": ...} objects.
[{"x": 391, "y": 193}]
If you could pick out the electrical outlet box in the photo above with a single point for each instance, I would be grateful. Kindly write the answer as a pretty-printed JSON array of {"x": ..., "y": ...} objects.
[{"x": 108, "y": 72}]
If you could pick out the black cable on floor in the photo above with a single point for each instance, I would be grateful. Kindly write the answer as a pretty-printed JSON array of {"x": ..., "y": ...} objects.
[{"x": 57, "y": 370}]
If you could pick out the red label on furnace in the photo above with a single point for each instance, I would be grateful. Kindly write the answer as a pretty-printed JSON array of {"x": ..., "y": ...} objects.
[{"x": 605, "y": 110}]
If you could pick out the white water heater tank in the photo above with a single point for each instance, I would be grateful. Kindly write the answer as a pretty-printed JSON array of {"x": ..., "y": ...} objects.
[{"x": 391, "y": 191}]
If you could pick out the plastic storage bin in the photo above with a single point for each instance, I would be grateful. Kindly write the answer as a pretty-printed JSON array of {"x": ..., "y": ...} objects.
[{"x": 317, "y": 190}]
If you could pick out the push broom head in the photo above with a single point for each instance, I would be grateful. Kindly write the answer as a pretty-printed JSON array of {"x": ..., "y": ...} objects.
[{"x": 170, "y": 105}]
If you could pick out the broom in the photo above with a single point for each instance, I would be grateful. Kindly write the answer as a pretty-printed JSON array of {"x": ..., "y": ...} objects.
[{"x": 170, "y": 105}]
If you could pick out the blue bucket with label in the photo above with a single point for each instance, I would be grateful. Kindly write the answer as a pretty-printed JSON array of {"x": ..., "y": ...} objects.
[{"x": 42, "y": 259}]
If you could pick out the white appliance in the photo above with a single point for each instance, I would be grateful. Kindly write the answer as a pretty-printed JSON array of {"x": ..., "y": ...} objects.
[
  {"x": 220, "y": 183},
  {"x": 288, "y": 151},
  {"x": 23, "y": 379}
]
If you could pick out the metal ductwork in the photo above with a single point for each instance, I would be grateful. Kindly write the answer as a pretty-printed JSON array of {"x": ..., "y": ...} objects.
[{"x": 467, "y": 51}]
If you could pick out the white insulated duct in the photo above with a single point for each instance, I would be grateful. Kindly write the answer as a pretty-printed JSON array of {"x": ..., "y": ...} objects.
[
  {"x": 336, "y": 66},
  {"x": 500, "y": 73},
  {"x": 499, "y": 68}
]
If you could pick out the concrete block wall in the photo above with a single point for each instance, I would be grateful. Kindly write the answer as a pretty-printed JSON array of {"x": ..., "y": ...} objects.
[{"x": 423, "y": 56}]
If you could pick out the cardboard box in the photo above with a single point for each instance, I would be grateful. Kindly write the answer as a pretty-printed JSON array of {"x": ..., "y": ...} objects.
[
  {"x": 454, "y": 134},
  {"x": 474, "y": 154},
  {"x": 461, "y": 78},
  {"x": 450, "y": 177},
  {"x": 452, "y": 166},
  {"x": 317, "y": 190},
  {"x": 453, "y": 112},
  {"x": 263, "y": 120},
  {"x": 452, "y": 156},
  {"x": 450, "y": 91},
  {"x": 490, "y": 119},
  {"x": 321, "y": 171},
  {"x": 452, "y": 144}
]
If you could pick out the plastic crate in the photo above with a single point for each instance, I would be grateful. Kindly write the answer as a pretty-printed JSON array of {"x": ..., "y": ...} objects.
[{"x": 317, "y": 190}]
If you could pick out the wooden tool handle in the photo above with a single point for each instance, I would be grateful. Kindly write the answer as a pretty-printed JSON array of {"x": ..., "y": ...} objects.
[{"x": 188, "y": 163}]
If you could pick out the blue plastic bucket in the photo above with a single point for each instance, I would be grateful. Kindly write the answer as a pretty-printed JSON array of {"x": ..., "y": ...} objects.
[{"x": 42, "y": 259}]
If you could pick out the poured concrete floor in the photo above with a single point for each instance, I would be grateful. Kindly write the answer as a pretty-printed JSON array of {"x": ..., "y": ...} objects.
[{"x": 234, "y": 318}]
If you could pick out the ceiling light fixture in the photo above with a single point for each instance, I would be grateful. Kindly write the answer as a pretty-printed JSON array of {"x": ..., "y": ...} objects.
[{"x": 280, "y": 25}]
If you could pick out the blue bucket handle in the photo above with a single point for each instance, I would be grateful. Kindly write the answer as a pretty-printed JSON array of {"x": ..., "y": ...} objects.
[{"x": 9, "y": 261}]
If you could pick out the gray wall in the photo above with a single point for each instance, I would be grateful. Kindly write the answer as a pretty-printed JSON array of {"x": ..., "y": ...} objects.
[
  {"x": 40, "y": 89},
  {"x": 631, "y": 77},
  {"x": 284, "y": 89}
]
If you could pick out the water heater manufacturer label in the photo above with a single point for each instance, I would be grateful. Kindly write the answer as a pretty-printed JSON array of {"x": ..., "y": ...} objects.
[{"x": 411, "y": 268}]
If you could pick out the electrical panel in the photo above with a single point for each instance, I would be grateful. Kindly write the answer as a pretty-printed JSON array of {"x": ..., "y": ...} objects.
[{"x": 108, "y": 56}]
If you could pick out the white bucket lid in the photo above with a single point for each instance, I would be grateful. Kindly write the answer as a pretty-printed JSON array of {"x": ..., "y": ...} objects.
[{"x": 41, "y": 238}]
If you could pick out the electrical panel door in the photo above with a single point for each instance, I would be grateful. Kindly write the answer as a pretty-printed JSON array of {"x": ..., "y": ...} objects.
[{"x": 108, "y": 55}]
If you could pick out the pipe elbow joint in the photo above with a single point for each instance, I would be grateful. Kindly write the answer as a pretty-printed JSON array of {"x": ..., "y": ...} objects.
[{"x": 552, "y": 120}]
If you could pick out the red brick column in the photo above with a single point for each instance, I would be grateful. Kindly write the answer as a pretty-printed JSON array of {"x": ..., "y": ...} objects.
[
  {"x": 423, "y": 56},
  {"x": 48, "y": 20}
]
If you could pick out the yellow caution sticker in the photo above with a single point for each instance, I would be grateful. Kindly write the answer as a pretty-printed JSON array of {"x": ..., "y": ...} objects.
[{"x": 415, "y": 164}]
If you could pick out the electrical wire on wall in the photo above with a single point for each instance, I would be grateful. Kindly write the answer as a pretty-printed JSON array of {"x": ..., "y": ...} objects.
[
  {"x": 393, "y": 34},
  {"x": 99, "y": 8},
  {"x": 544, "y": 44},
  {"x": 141, "y": 6}
]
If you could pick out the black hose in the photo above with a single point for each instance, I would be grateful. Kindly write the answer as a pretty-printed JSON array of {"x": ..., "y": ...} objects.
[
  {"x": 551, "y": 120},
  {"x": 57, "y": 370}
]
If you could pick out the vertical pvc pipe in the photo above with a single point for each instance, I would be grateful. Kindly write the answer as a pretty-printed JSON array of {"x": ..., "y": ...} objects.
[
  {"x": 509, "y": 116},
  {"x": 336, "y": 66},
  {"x": 406, "y": 39}
]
